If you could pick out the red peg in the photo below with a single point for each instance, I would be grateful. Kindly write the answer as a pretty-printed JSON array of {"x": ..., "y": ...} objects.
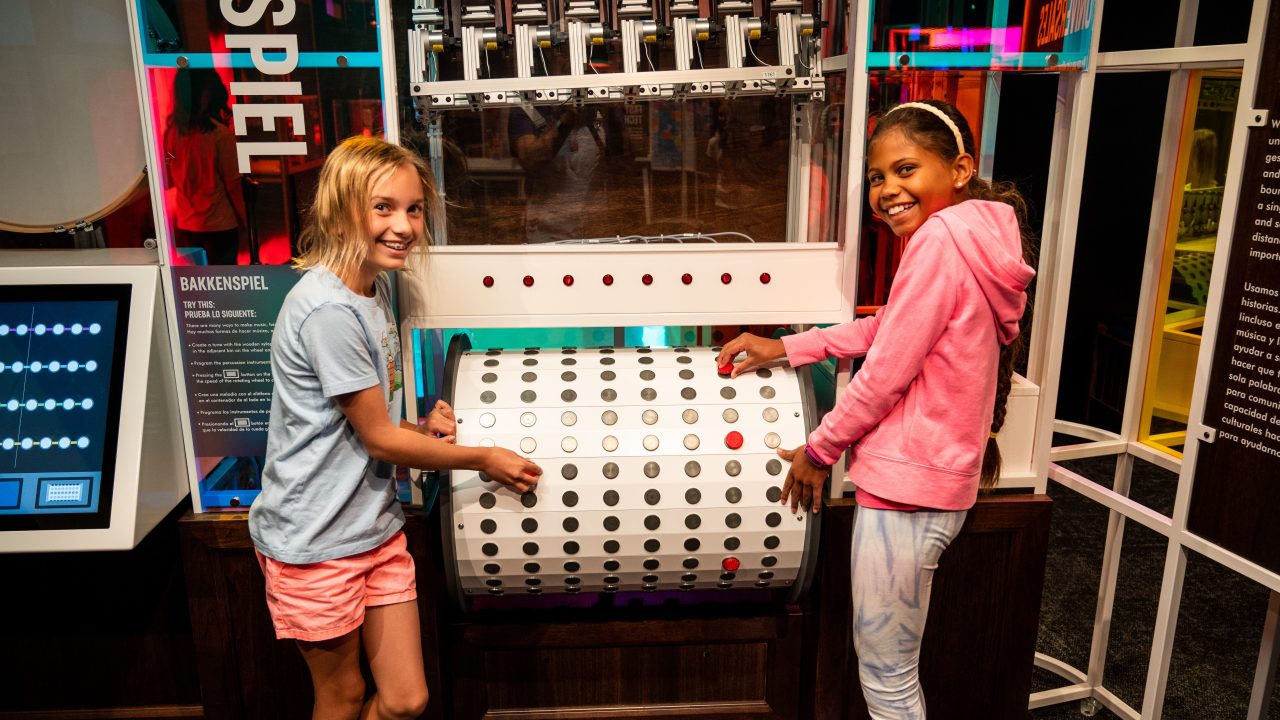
[
  {"x": 733, "y": 440},
  {"x": 730, "y": 564},
  {"x": 725, "y": 370}
]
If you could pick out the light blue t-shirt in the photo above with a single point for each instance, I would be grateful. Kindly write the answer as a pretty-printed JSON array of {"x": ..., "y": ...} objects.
[{"x": 322, "y": 496}]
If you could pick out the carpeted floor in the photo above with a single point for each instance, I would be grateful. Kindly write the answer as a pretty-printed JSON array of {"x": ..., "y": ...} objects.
[{"x": 1219, "y": 627}]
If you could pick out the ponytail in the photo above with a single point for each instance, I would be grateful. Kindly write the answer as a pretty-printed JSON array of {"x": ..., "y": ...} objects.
[{"x": 1007, "y": 193}]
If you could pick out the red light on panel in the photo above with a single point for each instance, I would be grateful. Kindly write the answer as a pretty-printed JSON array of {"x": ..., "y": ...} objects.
[
  {"x": 765, "y": 278},
  {"x": 607, "y": 279},
  {"x": 647, "y": 279},
  {"x": 687, "y": 279},
  {"x": 528, "y": 281},
  {"x": 488, "y": 281},
  {"x": 568, "y": 280},
  {"x": 726, "y": 278}
]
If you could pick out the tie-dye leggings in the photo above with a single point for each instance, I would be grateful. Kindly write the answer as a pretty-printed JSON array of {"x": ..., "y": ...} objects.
[{"x": 893, "y": 559}]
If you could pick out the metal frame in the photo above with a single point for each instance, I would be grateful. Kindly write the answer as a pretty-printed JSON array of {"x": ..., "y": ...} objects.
[{"x": 1065, "y": 179}]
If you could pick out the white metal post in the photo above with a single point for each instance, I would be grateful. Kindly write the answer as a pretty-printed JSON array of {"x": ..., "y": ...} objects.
[{"x": 155, "y": 181}]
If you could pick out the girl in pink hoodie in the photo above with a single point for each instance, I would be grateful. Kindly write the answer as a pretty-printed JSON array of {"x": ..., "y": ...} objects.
[{"x": 922, "y": 414}]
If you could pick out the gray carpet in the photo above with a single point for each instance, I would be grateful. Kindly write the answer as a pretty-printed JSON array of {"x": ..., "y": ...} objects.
[{"x": 1219, "y": 627}]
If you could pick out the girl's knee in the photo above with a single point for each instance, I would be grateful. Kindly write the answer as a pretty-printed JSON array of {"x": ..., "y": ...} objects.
[
  {"x": 340, "y": 697},
  {"x": 405, "y": 704}
]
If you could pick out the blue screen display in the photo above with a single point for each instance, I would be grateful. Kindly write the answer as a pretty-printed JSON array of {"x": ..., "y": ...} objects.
[{"x": 61, "y": 375}]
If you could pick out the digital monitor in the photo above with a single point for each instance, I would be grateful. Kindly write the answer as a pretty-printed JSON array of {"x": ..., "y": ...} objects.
[{"x": 62, "y": 351}]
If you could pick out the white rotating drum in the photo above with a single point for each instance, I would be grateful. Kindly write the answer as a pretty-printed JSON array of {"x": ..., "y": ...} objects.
[
  {"x": 659, "y": 475},
  {"x": 70, "y": 134}
]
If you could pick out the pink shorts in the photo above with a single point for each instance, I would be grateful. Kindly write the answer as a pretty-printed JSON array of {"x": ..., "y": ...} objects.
[{"x": 326, "y": 600}]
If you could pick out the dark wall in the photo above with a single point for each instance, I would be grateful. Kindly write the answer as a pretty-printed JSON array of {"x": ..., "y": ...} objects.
[
  {"x": 1115, "y": 212},
  {"x": 99, "y": 630}
]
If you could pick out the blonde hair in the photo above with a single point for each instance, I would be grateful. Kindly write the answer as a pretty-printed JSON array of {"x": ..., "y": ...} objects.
[{"x": 336, "y": 234}]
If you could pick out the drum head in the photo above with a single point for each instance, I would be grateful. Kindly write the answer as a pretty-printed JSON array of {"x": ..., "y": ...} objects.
[{"x": 71, "y": 135}]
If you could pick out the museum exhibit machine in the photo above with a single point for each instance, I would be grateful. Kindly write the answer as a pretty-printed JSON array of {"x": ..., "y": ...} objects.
[
  {"x": 86, "y": 377},
  {"x": 629, "y": 186}
]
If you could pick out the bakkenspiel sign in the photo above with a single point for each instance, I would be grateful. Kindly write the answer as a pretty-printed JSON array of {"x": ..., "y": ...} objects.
[
  {"x": 226, "y": 316},
  {"x": 1236, "y": 494}
]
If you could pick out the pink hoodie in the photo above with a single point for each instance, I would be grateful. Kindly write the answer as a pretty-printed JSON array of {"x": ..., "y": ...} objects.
[{"x": 918, "y": 412}]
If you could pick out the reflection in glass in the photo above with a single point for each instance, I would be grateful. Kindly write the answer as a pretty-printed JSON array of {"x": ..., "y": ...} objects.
[
  {"x": 703, "y": 170},
  {"x": 987, "y": 34},
  {"x": 198, "y": 26},
  {"x": 1189, "y": 246},
  {"x": 201, "y": 169}
]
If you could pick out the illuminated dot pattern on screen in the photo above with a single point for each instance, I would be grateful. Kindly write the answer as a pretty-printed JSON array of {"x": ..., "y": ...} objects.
[
  {"x": 15, "y": 404},
  {"x": 52, "y": 366},
  {"x": 43, "y": 443}
]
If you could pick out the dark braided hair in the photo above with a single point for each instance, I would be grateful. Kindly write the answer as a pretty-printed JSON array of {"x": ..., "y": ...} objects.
[{"x": 928, "y": 131}]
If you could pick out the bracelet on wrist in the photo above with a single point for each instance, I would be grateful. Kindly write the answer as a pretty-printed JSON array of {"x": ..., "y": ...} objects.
[{"x": 813, "y": 458}]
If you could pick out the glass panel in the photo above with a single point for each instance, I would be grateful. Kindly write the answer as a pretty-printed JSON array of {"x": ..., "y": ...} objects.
[
  {"x": 700, "y": 170},
  {"x": 215, "y": 214},
  {"x": 987, "y": 34},
  {"x": 1189, "y": 246},
  {"x": 880, "y": 250},
  {"x": 1224, "y": 22},
  {"x": 826, "y": 166},
  {"x": 199, "y": 26}
]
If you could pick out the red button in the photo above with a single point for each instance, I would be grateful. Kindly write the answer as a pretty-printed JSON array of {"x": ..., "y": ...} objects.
[
  {"x": 528, "y": 281},
  {"x": 647, "y": 279},
  {"x": 686, "y": 278},
  {"x": 568, "y": 280},
  {"x": 726, "y": 278},
  {"x": 608, "y": 279},
  {"x": 733, "y": 440},
  {"x": 731, "y": 564},
  {"x": 765, "y": 278},
  {"x": 726, "y": 369},
  {"x": 488, "y": 281}
]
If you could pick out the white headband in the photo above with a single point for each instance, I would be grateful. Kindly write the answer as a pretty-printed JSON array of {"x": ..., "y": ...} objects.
[{"x": 941, "y": 116}]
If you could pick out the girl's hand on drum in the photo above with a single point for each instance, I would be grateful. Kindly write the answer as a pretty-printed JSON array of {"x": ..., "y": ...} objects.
[
  {"x": 441, "y": 422},
  {"x": 804, "y": 484},
  {"x": 758, "y": 352},
  {"x": 507, "y": 468}
]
